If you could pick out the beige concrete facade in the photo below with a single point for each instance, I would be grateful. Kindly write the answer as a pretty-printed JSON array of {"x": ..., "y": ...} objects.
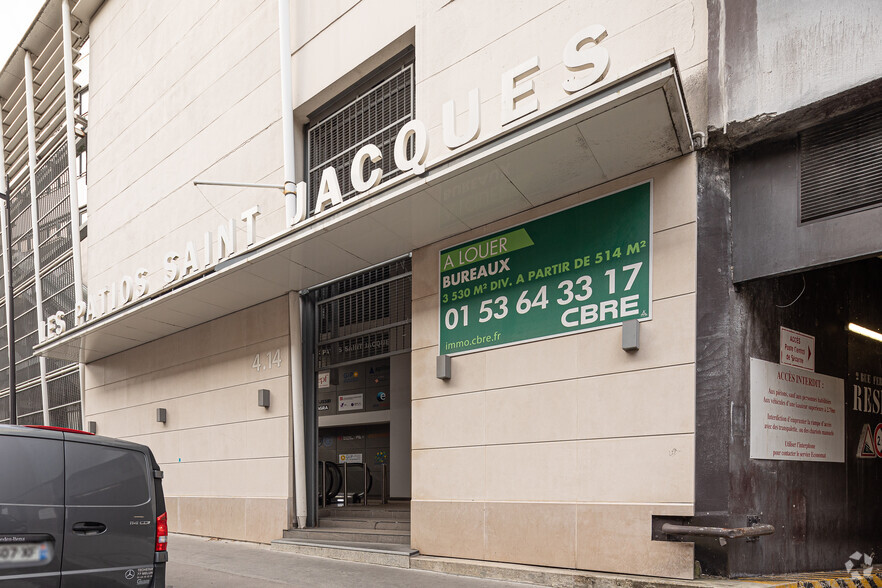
[
  {"x": 555, "y": 452},
  {"x": 179, "y": 91},
  {"x": 207, "y": 107},
  {"x": 227, "y": 461}
]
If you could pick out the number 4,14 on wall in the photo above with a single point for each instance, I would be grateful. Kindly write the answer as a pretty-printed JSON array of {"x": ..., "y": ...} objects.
[{"x": 267, "y": 360}]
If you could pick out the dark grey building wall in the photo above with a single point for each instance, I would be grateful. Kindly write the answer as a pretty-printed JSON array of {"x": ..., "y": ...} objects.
[
  {"x": 770, "y": 57},
  {"x": 822, "y": 512},
  {"x": 774, "y": 71},
  {"x": 768, "y": 238}
]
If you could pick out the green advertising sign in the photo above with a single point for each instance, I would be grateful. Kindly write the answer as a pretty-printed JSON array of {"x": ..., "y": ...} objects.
[{"x": 582, "y": 268}]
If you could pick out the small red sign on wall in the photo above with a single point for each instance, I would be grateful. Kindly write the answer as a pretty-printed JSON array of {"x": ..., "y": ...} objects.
[{"x": 797, "y": 349}]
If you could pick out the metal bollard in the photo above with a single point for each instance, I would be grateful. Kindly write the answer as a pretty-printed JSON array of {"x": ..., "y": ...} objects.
[
  {"x": 345, "y": 484},
  {"x": 364, "y": 469}
]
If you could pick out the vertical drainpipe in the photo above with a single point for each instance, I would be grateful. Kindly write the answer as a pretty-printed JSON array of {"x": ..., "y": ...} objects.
[
  {"x": 7, "y": 267},
  {"x": 296, "y": 356},
  {"x": 287, "y": 109},
  {"x": 32, "y": 176}
]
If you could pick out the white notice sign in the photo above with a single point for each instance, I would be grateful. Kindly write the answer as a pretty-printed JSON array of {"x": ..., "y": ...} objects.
[
  {"x": 795, "y": 415},
  {"x": 350, "y": 402},
  {"x": 797, "y": 349},
  {"x": 324, "y": 379}
]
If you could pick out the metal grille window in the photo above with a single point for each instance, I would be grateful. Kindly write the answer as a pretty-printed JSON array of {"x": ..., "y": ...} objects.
[
  {"x": 58, "y": 290},
  {"x": 69, "y": 417},
  {"x": 22, "y": 261},
  {"x": 55, "y": 252},
  {"x": 64, "y": 400},
  {"x": 35, "y": 418},
  {"x": 58, "y": 296},
  {"x": 364, "y": 316},
  {"x": 53, "y": 209},
  {"x": 29, "y": 405},
  {"x": 373, "y": 112},
  {"x": 41, "y": 233},
  {"x": 841, "y": 165},
  {"x": 27, "y": 366},
  {"x": 4, "y": 338},
  {"x": 4, "y": 352}
]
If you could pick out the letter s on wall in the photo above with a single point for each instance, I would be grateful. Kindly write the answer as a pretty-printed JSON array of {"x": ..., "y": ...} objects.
[{"x": 577, "y": 56}]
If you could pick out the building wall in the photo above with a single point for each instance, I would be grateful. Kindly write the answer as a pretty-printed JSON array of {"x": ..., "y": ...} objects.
[
  {"x": 180, "y": 91},
  {"x": 468, "y": 44},
  {"x": 208, "y": 108},
  {"x": 558, "y": 452},
  {"x": 820, "y": 511},
  {"x": 186, "y": 91},
  {"x": 772, "y": 59},
  {"x": 334, "y": 44},
  {"x": 775, "y": 72},
  {"x": 765, "y": 207},
  {"x": 227, "y": 461},
  {"x": 465, "y": 45}
]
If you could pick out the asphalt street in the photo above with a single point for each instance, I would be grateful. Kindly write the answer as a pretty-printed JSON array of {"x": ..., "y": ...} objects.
[{"x": 197, "y": 562}]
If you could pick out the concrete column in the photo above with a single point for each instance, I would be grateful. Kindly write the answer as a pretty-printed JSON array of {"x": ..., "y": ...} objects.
[
  {"x": 32, "y": 176},
  {"x": 72, "y": 152},
  {"x": 296, "y": 359},
  {"x": 7, "y": 264},
  {"x": 399, "y": 426}
]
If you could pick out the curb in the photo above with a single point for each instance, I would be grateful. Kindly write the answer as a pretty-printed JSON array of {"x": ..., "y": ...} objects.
[
  {"x": 821, "y": 580},
  {"x": 557, "y": 577}
]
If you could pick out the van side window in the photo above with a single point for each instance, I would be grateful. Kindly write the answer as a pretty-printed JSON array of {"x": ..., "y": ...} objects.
[
  {"x": 32, "y": 471},
  {"x": 105, "y": 476}
]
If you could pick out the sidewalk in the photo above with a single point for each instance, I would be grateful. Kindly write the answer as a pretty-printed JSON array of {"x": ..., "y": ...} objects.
[{"x": 197, "y": 562}]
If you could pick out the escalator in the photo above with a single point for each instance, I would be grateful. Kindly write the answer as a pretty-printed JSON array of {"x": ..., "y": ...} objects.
[{"x": 345, "y": 484}]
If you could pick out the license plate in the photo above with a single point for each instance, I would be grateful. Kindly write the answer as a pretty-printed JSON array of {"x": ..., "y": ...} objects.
[{"x": 24, "y": 553}]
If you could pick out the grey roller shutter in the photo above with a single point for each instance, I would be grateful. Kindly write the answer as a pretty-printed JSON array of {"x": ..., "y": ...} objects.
[{"x": 364, "y": 316}]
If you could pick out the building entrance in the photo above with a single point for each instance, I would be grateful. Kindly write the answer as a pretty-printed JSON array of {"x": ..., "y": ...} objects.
[
  {"x": 362, "y": 385},
  {"x": 821, "y": 496}
]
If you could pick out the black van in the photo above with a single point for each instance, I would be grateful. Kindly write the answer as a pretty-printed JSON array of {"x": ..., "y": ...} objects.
[{"x": 79, "y": 510}]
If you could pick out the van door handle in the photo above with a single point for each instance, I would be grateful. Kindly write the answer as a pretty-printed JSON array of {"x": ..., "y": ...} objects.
[{"x": 88, "y": 528}]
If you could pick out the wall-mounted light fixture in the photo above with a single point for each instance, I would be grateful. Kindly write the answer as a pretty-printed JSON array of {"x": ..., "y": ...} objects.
[
  {"x": 93, "y": 427},
  {"x": 865, "y": 332},
  {"x": 442, "y": 367},
  {"x": 263, "y": 398},
  {"x": 631, "y": 335},
  {"x": 161, "y": 415}
]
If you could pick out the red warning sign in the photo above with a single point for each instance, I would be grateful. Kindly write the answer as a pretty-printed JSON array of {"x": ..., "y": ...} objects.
[{"x": 867, "y": 447}]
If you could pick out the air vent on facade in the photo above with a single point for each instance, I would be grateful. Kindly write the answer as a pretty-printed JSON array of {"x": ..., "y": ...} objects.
[
  {"x": 368, "y": 114},
  {"x": 841, "y": 165}
]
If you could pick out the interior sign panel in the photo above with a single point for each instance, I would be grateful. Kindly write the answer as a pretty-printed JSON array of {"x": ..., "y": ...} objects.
[
  {"x": 350, "y": 402},
  {"x": 583, "y": 268}
]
